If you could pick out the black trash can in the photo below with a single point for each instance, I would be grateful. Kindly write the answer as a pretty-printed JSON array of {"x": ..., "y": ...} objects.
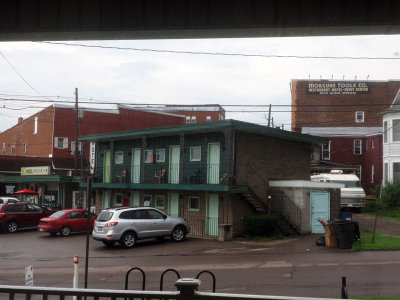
[{"x": 345, "y": 233}]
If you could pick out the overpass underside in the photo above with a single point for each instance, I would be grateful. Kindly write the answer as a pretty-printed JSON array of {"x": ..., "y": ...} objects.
[{"x": 39, "y": 20}]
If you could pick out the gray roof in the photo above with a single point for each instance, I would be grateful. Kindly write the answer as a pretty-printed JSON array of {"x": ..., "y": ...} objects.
[{"x": 341, "y": 131}]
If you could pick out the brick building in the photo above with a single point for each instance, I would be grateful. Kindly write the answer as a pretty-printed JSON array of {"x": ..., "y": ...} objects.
[
  {"x": 50, "y": 134},
  {"x": 349, "y": 113},
  {"x": 195, "y": 113},
  {"x": 210, "y": 173}
]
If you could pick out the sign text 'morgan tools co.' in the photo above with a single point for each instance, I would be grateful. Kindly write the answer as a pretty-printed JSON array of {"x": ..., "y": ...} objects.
[{"x": 338, "y": 88}]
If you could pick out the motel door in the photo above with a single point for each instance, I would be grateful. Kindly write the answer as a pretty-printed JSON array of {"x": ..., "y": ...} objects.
[
  {"x": 107, "y": 166},
  {"x": 136, "y": 165},
  {"x": 106, "y": 199},
  {"x": 173, "y": 204},
  {"x": 135, "y": 198},
  {"x": 319, "y": 208},
  {"x": 212, "y": 214},
  {"x": 174, "y": 157},
  {"x": 213, "y": 164}
]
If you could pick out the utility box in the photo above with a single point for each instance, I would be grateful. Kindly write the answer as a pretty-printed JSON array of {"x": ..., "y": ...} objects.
[{"x": 225, "y": 232}]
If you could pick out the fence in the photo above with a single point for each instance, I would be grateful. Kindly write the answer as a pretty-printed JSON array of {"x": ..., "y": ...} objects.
[
  {"x": 187, "y": 288},
  {"x": 202, "y": 227}
]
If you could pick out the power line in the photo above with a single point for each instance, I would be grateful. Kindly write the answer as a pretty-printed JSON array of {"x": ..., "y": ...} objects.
[{"x": 221, "y": 53}]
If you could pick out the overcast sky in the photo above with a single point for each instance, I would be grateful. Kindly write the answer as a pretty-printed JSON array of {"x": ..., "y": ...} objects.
[{"x": 128, "y": 76}]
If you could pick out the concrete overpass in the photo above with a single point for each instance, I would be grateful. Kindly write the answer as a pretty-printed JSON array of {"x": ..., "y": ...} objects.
[{"x": 37, "y": 20}]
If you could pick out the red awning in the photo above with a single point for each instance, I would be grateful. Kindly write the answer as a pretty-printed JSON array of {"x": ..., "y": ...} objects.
[{"x": 25, "y": 192}]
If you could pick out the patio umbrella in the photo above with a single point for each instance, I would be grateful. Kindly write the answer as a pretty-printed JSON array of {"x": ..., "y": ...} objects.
[{"x": 25, "y": 192}]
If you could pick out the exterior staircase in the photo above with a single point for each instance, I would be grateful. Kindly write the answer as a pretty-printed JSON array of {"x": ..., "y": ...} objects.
[{"x": 254, "y": 202}]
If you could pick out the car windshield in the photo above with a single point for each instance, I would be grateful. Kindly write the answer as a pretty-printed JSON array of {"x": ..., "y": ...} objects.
[
  {"x": 105, "y": 216},
  {"x": 58, "y": 214}
]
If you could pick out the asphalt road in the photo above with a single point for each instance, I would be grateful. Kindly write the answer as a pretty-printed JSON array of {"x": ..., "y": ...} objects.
[{"x": 293, "y": 267}]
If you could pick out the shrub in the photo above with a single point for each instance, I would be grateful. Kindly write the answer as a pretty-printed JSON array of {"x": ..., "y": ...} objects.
[
  {"x": 260, "y": 225},
  {"x": 391, "y": 194}
]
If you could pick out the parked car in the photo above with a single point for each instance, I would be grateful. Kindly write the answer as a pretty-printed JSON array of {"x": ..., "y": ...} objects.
[
  {"x": 4, "y": 200},
  {"x": 126, "y": 225},
  {"x": 21, "y": 214},
  {"x": 67, "y": 221}
]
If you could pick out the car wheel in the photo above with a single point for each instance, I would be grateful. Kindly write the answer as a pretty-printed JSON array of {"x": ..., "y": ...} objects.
[
  {"x": 128, "y": 239},
  {"x": 65, "y": 231},
  {"x": 12, "y": 226},
  {"x": 178, "y": 234},
  {"x": 108, "y": 243}
]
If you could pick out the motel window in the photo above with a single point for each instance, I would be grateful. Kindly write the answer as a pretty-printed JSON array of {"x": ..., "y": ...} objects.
[
  {"x": 147, "y": 200},
  {"x": 396, "y": 171},
  {"x": 148, "y": 156},
  {"x": 357, "y": 147},
  {"x": 119, "y": 157},
  {"x": 160, "y": 201},
  {"x": 385, "y": 129},
  {"x": 160, "y": 155},
  {"x": 359, "y": 117},
  {"x": 118, "y": 200},
  {"x": 326, "y": 151},
  {"x": 195, "y": 153},
  {"x": 194, "y": 204},
  {"x": 396, "y": 130}
]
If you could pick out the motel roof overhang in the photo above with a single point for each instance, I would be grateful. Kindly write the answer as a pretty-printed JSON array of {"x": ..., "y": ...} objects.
[{"x": 218, "y": 126}]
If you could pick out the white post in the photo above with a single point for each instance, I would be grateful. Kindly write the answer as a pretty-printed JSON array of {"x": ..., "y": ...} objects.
[{"x": 76, "y": 274}]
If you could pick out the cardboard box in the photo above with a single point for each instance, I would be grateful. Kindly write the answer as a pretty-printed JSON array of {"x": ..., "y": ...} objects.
[
  {"x": 329, "y": 229},
  {"x": 331, "y": 240}
]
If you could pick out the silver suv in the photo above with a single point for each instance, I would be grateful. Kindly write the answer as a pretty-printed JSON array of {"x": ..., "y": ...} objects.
[{"x": 126, "y": 225}]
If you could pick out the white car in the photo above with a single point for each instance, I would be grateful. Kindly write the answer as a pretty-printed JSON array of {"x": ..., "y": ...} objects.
[{"x": 4, "y": 200}]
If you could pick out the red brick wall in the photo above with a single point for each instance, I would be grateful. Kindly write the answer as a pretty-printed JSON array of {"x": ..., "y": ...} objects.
[
  {"x": 317, "y": 114},
  {"x": 273, "y": 158},
  {"x": 23, "y": 133},
  {"x": 373, "y": 156}
]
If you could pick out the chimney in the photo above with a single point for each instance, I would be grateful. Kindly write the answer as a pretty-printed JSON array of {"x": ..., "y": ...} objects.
[{"x": 20, "y": 119}]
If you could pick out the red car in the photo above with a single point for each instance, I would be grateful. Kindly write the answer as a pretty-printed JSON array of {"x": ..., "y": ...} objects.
[
  {"x": 66, "y": 221},
  {"x": 21, "y": 214}
]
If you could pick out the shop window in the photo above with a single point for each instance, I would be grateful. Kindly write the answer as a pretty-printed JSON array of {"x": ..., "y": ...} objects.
[
  {"x": 193, "y": 119},
  {"x": 194, "y": 204},
  {"x": 160, "y": 155},
  {"x": 187, "y": 119},
  {"x": 357, "y": 147},
  {"x": 208, "y": 119},
  {"x": 195, "y": 153},
  {"x": 160, "y": 201}
]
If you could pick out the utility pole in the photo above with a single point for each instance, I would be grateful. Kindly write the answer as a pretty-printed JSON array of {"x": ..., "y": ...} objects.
[
  {"x": 269, "y": 116},
  {"x": 76, "y": 132}
]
